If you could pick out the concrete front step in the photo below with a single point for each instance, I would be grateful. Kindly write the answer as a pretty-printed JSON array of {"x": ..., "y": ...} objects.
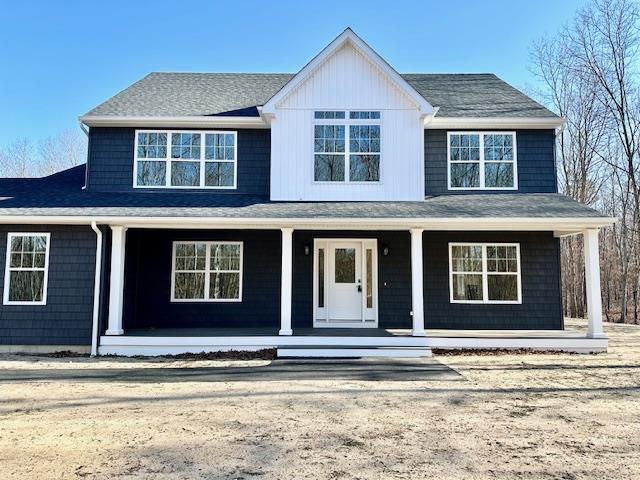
[{"x": 353, "y": 352}]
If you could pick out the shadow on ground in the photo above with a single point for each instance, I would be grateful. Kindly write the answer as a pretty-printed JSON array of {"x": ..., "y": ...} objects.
[{"x": 277, "y": 370}]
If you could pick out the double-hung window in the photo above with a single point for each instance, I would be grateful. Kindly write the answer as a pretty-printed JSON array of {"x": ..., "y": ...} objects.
[
  {"x": 207, "y": 272},
  {"x": 346, "y": 146},
  {"x": 485, "y": 273},
  {"x": 26, "y": 270},
  {"x": 482, "y": 161},
  {"x": 184, "y": 159}
]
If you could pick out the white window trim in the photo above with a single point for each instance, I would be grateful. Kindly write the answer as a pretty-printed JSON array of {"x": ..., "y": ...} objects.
[
  {"x": 207, "y": 271},
  {"x": 482, "y": 161},
  {"x": 7, "y": 269},
  {"x": 347, "y": 147},
  {"x": 485, "y": 273},
  {"x": 168, "y": 160}
]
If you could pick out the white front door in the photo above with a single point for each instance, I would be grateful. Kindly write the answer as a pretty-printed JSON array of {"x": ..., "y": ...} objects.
[
  {"x": 345, "y": 283},
  {"x": 344, "y": 286}
]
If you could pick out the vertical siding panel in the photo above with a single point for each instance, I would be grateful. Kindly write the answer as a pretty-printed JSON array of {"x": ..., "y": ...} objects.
[{"x": 348, "y": 80}]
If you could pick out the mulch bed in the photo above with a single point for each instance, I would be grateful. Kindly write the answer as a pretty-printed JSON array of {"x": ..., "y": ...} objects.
[
  {"x": 468, "y": 352},
  {"x": 265, "y": 354}
]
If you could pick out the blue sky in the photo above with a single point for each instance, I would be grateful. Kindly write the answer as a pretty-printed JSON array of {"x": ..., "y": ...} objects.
[{"x": 59, "y": 59}]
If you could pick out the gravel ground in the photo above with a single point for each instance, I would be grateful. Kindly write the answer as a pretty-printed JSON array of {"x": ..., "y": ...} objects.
[{"x": 463, "y": 417}]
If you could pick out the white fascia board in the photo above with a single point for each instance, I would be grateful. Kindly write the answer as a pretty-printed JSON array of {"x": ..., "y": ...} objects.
[
  {"x": 348, "y": 37},
  {"x": 497, "y": 122},
  {"x": 472, "y": 224},
  {"x": 173, "y": 122}
]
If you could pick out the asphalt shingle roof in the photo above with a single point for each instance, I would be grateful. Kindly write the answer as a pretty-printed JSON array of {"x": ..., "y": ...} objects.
[
  {"x": 62, "y": 194},
  {"x": 204, "y": 94}
]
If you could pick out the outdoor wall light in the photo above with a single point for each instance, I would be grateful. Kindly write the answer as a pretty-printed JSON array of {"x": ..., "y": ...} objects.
[
  {"x": 385, "y": 249},
  {"x": 307, "y": 249}
]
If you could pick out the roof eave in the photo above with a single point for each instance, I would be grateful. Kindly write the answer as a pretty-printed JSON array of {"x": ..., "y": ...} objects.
[
  {"x": 495, "y": 122},
  {"x": 565, "y": 225},
  {"x": 173, "y": 121}
]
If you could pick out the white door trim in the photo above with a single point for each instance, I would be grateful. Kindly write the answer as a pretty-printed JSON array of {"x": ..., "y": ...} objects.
[{"x": 322, "y": 311}]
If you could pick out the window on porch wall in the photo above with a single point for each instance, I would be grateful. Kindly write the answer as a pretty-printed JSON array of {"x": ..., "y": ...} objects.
[
  {"x": 207, "y": 271},
  {"x": 26, "y": 268},
  {"x": 485, "y": 273}
]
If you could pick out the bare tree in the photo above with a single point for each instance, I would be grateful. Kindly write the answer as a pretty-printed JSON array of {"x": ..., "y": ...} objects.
[
  {"x": 18, "y": 159},
  {"x": 579, "y": 166},
  {"x": 21, "y": 159},
  {"x": 591, "y": 77},
  {"x": 64, "y": 150}
]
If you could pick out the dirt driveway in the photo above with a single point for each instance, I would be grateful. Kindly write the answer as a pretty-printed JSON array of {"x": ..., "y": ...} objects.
[{"x": 462, "y": 417}]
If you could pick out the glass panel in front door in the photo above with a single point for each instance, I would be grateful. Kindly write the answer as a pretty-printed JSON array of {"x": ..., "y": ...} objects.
[{"x": 345, "y": 265}]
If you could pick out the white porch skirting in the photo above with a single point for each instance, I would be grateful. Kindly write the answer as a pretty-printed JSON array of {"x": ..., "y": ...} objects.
[{"x": 454, "y": 340}]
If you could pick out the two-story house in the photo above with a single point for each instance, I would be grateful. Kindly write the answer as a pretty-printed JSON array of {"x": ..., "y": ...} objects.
[{"x": 344, "y": 210}]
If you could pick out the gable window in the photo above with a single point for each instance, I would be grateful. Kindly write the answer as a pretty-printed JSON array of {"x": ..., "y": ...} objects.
[
  {"x": 346, "y": 150},
  {"x": 207, "y": 272},
  {"x": 183, "y": 159},
  {"x": 484, "y": 273},
  {"x": 482, "y": 160},
  {"x": 26, "y": 271}
]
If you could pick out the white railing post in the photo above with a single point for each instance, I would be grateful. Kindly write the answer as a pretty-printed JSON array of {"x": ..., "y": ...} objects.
[
  {"x": 592, "y": 280},
  {"x": 285, "y": 288},
  {"x": 417, "y": 281},
  {"x": 116, "y": 284}
]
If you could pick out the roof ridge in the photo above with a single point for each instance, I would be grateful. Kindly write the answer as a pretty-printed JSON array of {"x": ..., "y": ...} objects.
[
  {"x": 293, "y": 73},
  {"x": 219, "y": 73}
]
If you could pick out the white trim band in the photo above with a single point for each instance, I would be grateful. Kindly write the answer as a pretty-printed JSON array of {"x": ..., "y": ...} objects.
[
  {"x": 497, "y": 122},
  {"x": 172, "y": 122}
]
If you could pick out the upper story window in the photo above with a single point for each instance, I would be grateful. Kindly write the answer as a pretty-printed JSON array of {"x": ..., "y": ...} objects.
[
  {"x": 482, "y": 161},
  {"x": 346, "y": 147},
  {"x": 27, "y": 267},
  {"x": 184, "y": 159}
]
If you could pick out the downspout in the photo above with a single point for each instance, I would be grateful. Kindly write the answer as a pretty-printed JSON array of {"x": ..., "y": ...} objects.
[
  {"x": 96, "y": 290},
  {"x": 85, "y": 130}
]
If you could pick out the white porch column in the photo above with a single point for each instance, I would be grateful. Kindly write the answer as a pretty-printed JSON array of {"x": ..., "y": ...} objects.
[
  {"x": 285, "y": 288},
  {"x": 116, "y": 284},
  {"x": 417, "y": 280},
  {"x": 592, "y": 278}
]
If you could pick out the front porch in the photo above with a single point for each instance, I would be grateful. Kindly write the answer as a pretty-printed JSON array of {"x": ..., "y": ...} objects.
[
  {"x": 173, "y": 341},
  {"x": 401, "y": 279}
]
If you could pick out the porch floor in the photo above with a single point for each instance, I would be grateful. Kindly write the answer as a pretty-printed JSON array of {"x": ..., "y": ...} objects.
[
  {"x": 570, "y": 331},
  {"x": 261, "y": 332},
  {"x": 171, "y": 341}
]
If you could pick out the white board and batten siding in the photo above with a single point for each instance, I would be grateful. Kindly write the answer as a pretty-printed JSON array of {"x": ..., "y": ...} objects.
[{"x": 347, "y": 80}]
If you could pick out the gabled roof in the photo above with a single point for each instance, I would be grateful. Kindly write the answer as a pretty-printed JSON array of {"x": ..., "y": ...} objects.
[
  {"x": 200, "y": 97},
  {"x": 348, "y": 37},
  {"x": 239, "y": 94}
]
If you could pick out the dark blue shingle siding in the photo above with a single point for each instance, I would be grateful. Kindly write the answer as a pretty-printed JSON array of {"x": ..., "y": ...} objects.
[
  {"x": 67, "y": 317},
  {"x": 541, "y": 294},
  {"x": 110, "y": 165},
  {"x": 148, "y": 282},
  {"x": 536, "y": 163}
]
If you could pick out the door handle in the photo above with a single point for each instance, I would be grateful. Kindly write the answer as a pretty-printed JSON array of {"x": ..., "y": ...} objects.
[{"x": 359, "y": 286}]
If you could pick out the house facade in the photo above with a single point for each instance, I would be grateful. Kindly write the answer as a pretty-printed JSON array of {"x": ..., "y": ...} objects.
[{"x": 344, "y": 210}]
